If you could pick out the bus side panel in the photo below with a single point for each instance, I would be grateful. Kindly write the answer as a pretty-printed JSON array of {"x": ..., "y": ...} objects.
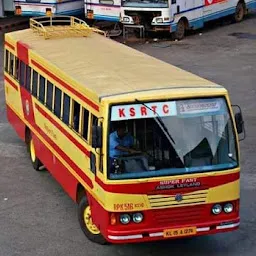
[{"x": 56, "y": 168}]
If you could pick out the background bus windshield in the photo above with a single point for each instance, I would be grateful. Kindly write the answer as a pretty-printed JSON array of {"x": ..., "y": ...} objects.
[{"x": 169, "y": 138}]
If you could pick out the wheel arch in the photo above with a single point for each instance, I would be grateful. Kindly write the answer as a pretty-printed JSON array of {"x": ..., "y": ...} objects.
[{"x": 80, "y": 192}]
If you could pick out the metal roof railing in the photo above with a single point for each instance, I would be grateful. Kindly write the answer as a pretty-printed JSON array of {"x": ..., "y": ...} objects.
[{"x": 62, "y": 26}]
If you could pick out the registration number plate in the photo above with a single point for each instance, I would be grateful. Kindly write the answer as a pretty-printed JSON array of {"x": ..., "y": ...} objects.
[{"x": 180, "y": 232}]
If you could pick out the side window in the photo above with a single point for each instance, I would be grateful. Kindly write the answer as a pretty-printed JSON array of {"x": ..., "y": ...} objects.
[
  {"x": 17, "y": 68},
  {"x": 49, "y": 95},
  {"x": 11, "y": 69},
  {"x": 28, "y": 79},
  {"x": 7, "y": 57},
  {"x": 42, "y": 89},
  {"x": 76, "y": 116},
  {"x": 57, "y": 102},
  {"x": 85, "y": 123},
  {"x": 22, "y": 73},
  {"x": 66, "y": 109},
  {"x": 34, "y": 83}
]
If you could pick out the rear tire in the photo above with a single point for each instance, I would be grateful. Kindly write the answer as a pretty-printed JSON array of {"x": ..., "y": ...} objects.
[
  {"x": 240, "y": 12},
  {"x": 179, "y": 34},
  {"x": 86, "y": 223},
  {"x": 32, "y": 153}
]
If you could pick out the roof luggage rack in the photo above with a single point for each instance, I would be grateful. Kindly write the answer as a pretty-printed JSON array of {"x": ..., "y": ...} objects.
[{"x": 62, "y": 26}]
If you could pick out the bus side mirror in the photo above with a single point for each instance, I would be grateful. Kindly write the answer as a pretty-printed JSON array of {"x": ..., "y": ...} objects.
[
  {"x": 96, "y": 136},
  {"x": 239, "y": 121}
]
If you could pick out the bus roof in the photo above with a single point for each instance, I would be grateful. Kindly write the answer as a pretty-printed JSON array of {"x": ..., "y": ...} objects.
[{"x": 108, "y": 68}]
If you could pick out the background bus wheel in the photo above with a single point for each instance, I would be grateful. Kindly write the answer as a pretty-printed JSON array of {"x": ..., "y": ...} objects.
[
  {"x": 240, "y": 12},
  {"x": 86, "y": 223},
  {"x": 32, "y": 153},
  {"x": 180, "y": 30}
]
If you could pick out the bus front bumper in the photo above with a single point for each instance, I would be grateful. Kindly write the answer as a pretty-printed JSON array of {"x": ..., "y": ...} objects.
[{"x": 133, "y": 236}]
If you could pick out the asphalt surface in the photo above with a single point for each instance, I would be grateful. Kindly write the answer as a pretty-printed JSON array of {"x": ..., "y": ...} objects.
[{"x": 38, "y": 218}]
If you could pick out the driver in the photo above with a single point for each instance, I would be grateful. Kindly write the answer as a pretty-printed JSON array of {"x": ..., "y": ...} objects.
[{"x": 120, "y": 143}]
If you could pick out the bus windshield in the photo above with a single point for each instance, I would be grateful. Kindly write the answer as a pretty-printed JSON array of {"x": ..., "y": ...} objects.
[
  {"x": 170, "y": 138},
  {"x": 145, "y": 3}
]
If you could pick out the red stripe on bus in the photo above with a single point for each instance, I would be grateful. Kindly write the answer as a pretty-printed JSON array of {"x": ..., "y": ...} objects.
[
  {"x": 22, "y": 50},
  {"x": 70, "y": 162},
  {"x": 11, "y": 83},
  {"x": 62, "y": 130},
  {"x": 9, "y": 45},
  {"x": 65, "y": 85},
  {"x": 151, "y": 187}
]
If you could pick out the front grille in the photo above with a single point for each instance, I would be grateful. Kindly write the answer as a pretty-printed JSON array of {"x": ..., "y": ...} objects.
[
  {"x": 180, "y": 215},
  {"x": 162, "y": 201}
]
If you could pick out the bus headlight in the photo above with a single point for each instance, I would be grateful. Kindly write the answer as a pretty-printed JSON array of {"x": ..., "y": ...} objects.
[
  {"x": 159, "y": 20},
  {"x": 137, "y": 217},
  {"x": 228, "y": 208},
  {"x": 216, "y": 209},
  {"x": 126, "y": 19},
  {"x": 125, "y": 218}
]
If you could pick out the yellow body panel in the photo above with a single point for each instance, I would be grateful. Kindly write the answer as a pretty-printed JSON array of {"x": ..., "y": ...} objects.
[
  {"x": 13, "y": 96},
  {"x": 107, "y": 72}
]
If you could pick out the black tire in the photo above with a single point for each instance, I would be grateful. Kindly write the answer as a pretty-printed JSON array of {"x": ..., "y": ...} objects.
[
  {"x": 179, "y": 34},
  {"x": 240, "y": 12},
  {"x": 96, "y": 238},
  {"x": 31, "y": 150}
]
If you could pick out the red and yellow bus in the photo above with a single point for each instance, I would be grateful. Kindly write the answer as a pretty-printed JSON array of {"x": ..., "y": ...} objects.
[{"x": 147, "y": 150}]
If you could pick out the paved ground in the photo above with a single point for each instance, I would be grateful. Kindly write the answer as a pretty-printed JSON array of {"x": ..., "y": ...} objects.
[{"x": 37, "y": 217}]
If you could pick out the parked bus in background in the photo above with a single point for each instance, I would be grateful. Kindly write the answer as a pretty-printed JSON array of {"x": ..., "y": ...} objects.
[
  {"x": 48, "y": 7},
  {"x": 148, "y": 151},
  {"x": 108, "y": 10},
  {"x": 177, "y": 16}
]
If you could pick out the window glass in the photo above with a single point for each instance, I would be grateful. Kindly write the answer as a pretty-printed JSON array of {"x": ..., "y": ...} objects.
[
  {"x": 34, "y": 83},
  {"x": 28, "y": 79},
  {"x": 66, "y": 109},
  {"x": 76, "y": 116},
  {"x": 12, "y": 59},
  {"x": 49, "y": 95},
  {"x": 22, "y": 73},
  {"x": 7, "y": 56},
  {"x": 42, "y": 89},
  {"x": 57, "y": 102},
  {"x": 94, "y": 120},
  {"x": 85, "y": 123},
  {"x": 17, "y": 68}
]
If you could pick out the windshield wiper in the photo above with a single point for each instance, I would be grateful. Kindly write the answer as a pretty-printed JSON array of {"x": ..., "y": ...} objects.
[{"x": 163, "y": 126}]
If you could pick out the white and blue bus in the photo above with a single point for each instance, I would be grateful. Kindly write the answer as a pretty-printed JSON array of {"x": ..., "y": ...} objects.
[
  {"x": 175, "y": 16},
  {"x": 48, "y": 7}
]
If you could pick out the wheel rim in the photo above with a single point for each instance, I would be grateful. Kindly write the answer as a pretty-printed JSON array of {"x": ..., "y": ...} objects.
[
  {"x": 32, "y": 151},
  {"x": 88, "y": 221}
]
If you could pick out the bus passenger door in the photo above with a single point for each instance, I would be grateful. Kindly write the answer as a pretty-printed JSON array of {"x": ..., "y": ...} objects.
[
  {"x": 99, "y": 215},
  {"x": 197, "y": 17}
]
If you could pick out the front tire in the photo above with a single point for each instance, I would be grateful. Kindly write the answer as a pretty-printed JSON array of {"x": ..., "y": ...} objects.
[
  {"x": 240, "y": 12},
  {"x": 85, "y": 220},
  {"x": 179, "y": 34}
]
